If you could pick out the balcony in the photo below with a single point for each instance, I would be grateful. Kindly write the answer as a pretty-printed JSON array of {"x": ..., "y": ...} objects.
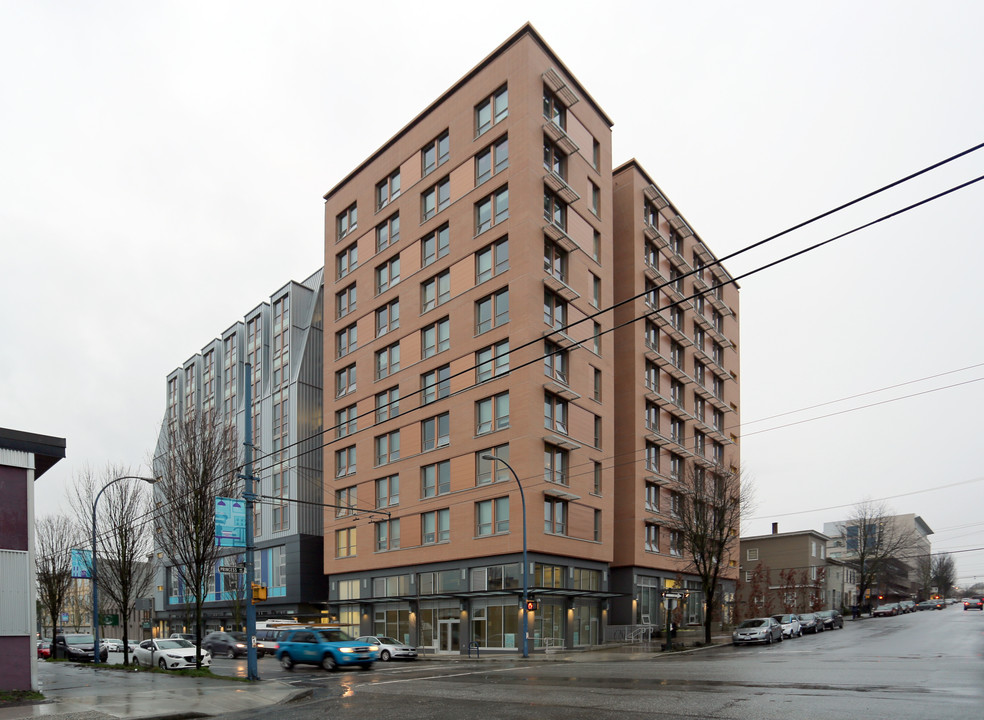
[
  {"x": 564, "y": 191},
  {"x": 679, "y": 263},
  {"x": 654, "y": 274},
  {"x": 560, "y": 138},
  {"x": 560, "y": 288},
  {"x": 655, "y": 236},
  {"x": 680, "y": 225},
  {"x": 653, "y": 195},
  {"x": 555, "y": 388},
  {"x": 563, "y": 240},
  {"x": 561, "y": 441},
  {"x": 654, "y": 436},
  {"x": 559, "y": 88},
  {"x": 560, "y": 338}
]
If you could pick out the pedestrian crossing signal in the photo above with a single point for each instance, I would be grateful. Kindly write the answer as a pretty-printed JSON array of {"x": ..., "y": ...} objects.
[
  {"x": 259, "y": 592},
  {"x": 532, "y": 605}
]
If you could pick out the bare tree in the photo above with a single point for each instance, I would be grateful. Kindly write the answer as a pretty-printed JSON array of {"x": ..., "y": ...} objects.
[
  {"x": 876, "y": 542},
  {"x": 758, "y": 588},
  {"x": 924, "y": 573},
  {"x": 712, "y": 504},
  {"x": 55, "y": 539},
  {"x": 787, "y": 588},
  {"x": 124, "y": 540},
  {"x": 196, "y": 463},
  {"x": 943, "y": 573}
]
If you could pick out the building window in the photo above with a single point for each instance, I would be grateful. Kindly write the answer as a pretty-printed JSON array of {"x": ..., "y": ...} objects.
[
  {"x": 435, "y": 479},
  {"x": 555, "y": 413},
  {"x": 345, "y": 301},
  {"x": 675, "y": 504},
  {"x": 492, "y": 160},
  {"x": 676, "y": 467},
  {"x": 345, "y": 542},
  {"x": 595, "y": 198},
  {"x": 554, "y": 210},
  {"x": 652, "y": 497},
  {"x": 676, "y": 430},
  {"x": 556, "y": 468},
  {"x": 597, "y": 384},
  {"x": 436, "y": 338},
  {"x": 388, "y": 491},
  {"x": 717, "y": 387},
  {"x": 652, "y": 336},
  {"x": 388, "y": 318},
  {"x": 492, "y": 516},
  {"x": 699, "y": 373},
  {"x": 435, "y": 291},
  {"x": 347, "y": 221},
  {"x": 435, "y": 153},
  {"x": 435, "y": 385},
  {"x": 717, "y": 420},
  {"x": 387, "y": 275},
  {"x": 435, "y": 432},
  {"x": 491, "y": 260},
  {"x": 387, "y": 404},
  {"x": 595, "y": 290},
  {"x": 554, "y": 516},
  {"x": 652, "y": 416},
  {"x": 491, "y": 210},
  {"x": 597, "y": 478},
  {"x": 555, "y": 362},
  {"x": 553, "y": 109},
  {"x": 346, "y": 340},
  {"x": 346, "y": 421},
  {"x": 676, "y": 543},
  {"x": 676, "y": 354},
  {"x": 435, "y": 245},
  {"x": 554, "y": 310},
  {"x": 435, "y": 198},
  {"x": 345, "y": 461},
  {"x": 717, "y": 353},
  {"x": 346, "y": 261},
  {"x": 387, "y": 361},
  {"x": 345, "y": 381},
  {"x": 596, "y": 337},
  {"x": 676, "y": 392},
  {"x": 652, "y": 538},
  {"x": 388, "y": 190},
  {"x": 387, "y": 448},
  {"x": 597, "y": 431},
  {"x": 596, "y": 246},
  {"x": 492, "y": 110},
  {"x": 554, "y": 260},
  {"x": 492, "y": 413},
  {"x": 597, "y": 525},
  {"x": 487, "y": 471},
  {"x": 652, "y": 376},
  {"x": 387, "y": 535},
  {"x": 492, "y": 311},
  {"x": 595, "y": 154},
  {"x": 492, "y": 361},
  {"x": 347, "y": 502},
  {"x": 388, "y": 233},
  {"x": 435, "y": 527},
  {"x": 699, "y": 442},
  {"x": 554, "y": 160}
]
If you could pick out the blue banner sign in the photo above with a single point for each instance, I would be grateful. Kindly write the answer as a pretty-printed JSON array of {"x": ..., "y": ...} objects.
[
  {"x": 230, "y": 522},
  {"x": 82, "y": 564}
]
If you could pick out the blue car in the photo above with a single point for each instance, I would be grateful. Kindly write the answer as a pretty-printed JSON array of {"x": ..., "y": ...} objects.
[{"x": 329, "y": 647}]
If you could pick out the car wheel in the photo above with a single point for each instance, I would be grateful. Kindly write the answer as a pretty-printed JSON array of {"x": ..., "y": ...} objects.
[
  {"x": 328, "y": 662},
  {"x": 780, "y": 637},
  {"x": 768, "y": 639},
  {"x": 231, "y": 654},
  {"x": 286, "y": 662},
  {"x": 384, "y": 655},
  {"x": 366, "y": 666},
  {"x": 162, "y": 664}
]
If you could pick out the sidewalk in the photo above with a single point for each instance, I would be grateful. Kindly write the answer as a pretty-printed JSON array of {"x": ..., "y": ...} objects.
[{"x": 81, "y": 692}]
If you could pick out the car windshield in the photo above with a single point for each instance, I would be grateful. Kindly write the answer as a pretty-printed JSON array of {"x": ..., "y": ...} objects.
[
  {"x": 78, "y": 639},
  {"x": 334, "y": 636},
  {"x": 173, "y": 644},
  {"x": 758, "y": 622},
  {"x": 389, "y": 641},
  {"x": 241, "y": 637},
  {"x": 783, "y": 618}
]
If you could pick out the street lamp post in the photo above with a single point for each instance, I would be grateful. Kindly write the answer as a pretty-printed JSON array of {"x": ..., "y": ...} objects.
[
  {"x": 95, "y": 581},
  {"x": 526, "y": 568}
]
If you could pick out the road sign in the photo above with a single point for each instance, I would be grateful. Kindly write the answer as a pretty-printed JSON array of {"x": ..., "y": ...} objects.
[
  {"x": 113, "y": 620},
  {"x": 230, "y": 522},
  {"x": 674, "y": 596},
  {"x": 237, "y": 569}
]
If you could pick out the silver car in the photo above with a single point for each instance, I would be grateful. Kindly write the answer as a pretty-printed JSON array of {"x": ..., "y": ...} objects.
[
  {"x": 389, "y": 648},
  {"x": 757, "y": 630}
]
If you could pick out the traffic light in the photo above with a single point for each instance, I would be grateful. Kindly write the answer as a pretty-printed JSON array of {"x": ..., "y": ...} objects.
[
  {"x": 532, "y": 605},
  {"x": 259, "y": 592}
]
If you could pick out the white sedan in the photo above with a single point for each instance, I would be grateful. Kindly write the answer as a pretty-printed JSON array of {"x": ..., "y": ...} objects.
[{"x": 171, "y": 654}]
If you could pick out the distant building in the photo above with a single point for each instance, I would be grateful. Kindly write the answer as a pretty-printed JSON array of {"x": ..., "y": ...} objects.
[
  {"x": 24, "y": 457},
  {"x": 282, "y": 341},
  {"x": 785, "y": 572}
]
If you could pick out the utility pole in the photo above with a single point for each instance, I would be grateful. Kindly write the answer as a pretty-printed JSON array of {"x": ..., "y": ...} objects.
[{"x": 249, "y": 496}]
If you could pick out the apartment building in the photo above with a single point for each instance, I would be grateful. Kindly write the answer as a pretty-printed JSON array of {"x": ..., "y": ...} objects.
[
  {"x": 282, "y": 341},
  {"x": 676, "y": 395},
  {"x": 787, "y": 572},
  {"x": 468, "y": 264}
]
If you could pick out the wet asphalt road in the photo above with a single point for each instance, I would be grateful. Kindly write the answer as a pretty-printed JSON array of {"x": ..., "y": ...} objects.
[{"x": 918, "y": 666}]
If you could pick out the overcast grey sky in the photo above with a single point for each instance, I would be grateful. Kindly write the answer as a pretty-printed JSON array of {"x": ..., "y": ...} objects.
[{"x": 162, "y": 167}]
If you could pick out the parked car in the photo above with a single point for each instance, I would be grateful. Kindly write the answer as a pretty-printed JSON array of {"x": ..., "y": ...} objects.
[
  {"x": 170, "y": 654},
  {"x": 115, "y": 645},
  {"x": 790, "y": 625},
  {"x": 228, "y": 644},
  {"x": 974, "y": 603},
  {"x": 44, "y": 649},
  {"x": 907, "y": 606},
  {"x": 267, "y": 641},
  {"x": 757, "y": 630},
  {"x": 78, "y": 647},
  {"x": 886, "y": 610},
  {"x": 831, "y": 619},
  {"x": 190, "y": 637},
  {"x": 329, "y": 647},
  {"x": 389, "y": 648},
  {"x": 811, "y": 623}
]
